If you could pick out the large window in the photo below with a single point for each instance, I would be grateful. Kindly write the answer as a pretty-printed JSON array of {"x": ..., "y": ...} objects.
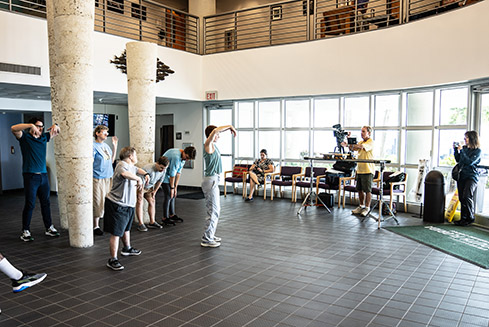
[{"x": 408, "y": 126}]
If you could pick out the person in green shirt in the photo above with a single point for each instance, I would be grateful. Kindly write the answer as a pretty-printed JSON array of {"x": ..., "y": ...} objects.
[{"x": 210, "y": 184}]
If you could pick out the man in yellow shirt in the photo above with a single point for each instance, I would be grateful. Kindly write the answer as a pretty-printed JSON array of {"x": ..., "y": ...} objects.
[{"x": 365, "y": 171}]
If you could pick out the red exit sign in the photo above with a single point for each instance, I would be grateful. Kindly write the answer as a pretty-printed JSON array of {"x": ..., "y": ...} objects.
[{"x": 211, "y": 95}]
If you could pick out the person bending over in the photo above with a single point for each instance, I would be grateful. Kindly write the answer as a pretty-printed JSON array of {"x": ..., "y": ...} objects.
[
  {"x": 156, "y": 172},
  {"x": 177, "y": 158}
]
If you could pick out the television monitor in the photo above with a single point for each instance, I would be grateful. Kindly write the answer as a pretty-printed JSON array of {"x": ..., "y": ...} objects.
[{"x": 106, "y": 120}]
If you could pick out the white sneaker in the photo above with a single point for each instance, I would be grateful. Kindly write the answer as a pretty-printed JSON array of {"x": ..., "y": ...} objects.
[
  {"x": 210, "y": 244},
  {"x": 365, "y": 212},
  {"x": 357, "y": 210}
]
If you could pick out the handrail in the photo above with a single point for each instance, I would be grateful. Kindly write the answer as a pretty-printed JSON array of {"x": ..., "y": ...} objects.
[{"x": 283, "y": 22}]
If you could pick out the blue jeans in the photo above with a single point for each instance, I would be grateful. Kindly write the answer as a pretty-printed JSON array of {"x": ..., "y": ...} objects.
[
  {"x": 36, "y": 185},
  {"x": 168, "y": 201},
  {"x": 210, "y": 187}
]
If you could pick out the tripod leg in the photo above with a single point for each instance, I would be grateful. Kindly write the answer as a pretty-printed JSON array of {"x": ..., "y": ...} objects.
[{"x": 303, "y": 205}]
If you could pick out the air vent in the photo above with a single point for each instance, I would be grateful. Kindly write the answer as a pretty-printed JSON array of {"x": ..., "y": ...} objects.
[{"x": 21, "y": 69}]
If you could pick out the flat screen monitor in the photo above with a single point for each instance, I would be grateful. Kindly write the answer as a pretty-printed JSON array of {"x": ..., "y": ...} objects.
[{"x": 106, "y": 120}]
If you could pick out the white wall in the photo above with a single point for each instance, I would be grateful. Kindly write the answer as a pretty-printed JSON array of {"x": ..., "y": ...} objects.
[
  {"x": 24, "y": 42},
  {"x": 442, "y": 49},
  {"x": 187, "y": 117}
]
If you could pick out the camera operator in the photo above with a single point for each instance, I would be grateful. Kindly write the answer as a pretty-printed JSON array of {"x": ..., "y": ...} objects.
[{"x": 365, "y": 171}]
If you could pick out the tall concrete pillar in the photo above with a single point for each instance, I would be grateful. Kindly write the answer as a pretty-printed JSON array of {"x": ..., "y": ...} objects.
[
  {"x": 63, "y": 215},
  {"x": 71, "y": 24},
  {"x": 141, "y": 83},
  {"x": 201, "y": 8}
]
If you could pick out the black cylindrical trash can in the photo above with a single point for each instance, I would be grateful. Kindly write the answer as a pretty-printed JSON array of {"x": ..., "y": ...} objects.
[{"x": 434, "y": 197}]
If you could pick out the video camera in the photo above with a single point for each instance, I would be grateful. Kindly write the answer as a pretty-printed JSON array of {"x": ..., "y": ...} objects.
[{"x": 340, "y": 135}]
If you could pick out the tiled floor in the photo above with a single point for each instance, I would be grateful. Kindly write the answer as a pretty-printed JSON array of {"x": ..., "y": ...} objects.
[{"x": 273, "y": 269}]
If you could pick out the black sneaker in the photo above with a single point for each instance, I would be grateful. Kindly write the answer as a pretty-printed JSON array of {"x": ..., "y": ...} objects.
[
  {"x": 155, "y": 225},
  {"x": 130, "y": 251},
  {"x": 26, "y": 281},
  {"x": 249, "y": 199},
  {"x": 114, "y": 264},
  {"x": 98, "y": 231},
  {"x": 176, "y": 218},
  {"x": 167, "y": 222}
]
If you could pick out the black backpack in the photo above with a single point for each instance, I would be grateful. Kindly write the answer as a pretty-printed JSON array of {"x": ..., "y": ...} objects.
[
  {"x": 347, "y": 167},
  {"x": 394, "y": 178}
]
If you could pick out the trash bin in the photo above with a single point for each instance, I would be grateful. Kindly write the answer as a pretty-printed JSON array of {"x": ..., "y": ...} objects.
[
  {"x": 434, "y": 197},
  {"x": 479, "y": 191}
]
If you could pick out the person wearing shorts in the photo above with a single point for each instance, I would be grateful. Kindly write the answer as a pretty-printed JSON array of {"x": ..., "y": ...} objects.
[
  {"x": 365, "y": 171},
  {"x": 156, "y": 172},
  {"x": 103, "y": 157},
  {"x": 120, "y": 204}
]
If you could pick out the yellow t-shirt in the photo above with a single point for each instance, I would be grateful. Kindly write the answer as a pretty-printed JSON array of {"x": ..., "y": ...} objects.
[{"x": 366, "y": 153}]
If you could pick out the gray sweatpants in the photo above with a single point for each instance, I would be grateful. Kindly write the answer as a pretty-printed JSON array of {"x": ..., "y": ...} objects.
[{"x": 210, "y": 187}]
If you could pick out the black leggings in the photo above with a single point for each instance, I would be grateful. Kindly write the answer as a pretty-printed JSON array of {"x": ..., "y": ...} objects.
[
  {"x": 466, "y": 189},
  {"x": 168, "y": 201}
]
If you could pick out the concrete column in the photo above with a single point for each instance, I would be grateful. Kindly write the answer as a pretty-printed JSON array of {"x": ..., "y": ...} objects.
[
  {"x": 141, "y": 82},
  {"x": 72, "y": 94},
  {"x": 201, "y": 8},
  {"x": 63, "y": 215}
]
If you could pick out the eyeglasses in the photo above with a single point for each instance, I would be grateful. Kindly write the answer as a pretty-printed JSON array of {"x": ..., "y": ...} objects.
[{"x": 39, "y": 126}]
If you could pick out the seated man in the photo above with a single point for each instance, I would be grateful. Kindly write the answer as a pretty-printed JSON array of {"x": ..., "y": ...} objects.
[{"x": 156, "y": 172}]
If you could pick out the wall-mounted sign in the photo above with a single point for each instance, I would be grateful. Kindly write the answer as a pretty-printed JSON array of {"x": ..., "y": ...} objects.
[{"x": 211, "y": 95}]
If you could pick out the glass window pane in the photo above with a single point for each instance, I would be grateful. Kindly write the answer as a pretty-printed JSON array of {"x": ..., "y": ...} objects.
[
  {"x": 357, "y": 111},
  {"x": 269, "y": 114},
  {"x": 411, "y": 183},
  {"x": 420, "y": 109},
  {"x": 296, "y": 144},
  {"x": 386, "y": 145},
  {"x": 453, "y": 107},
  {"x": 225, "y": 143},
  {"x": 324, "y": 142},
  {"x": 418, "y": 146},
  {"x": 244, "y": 144},
  {"x": 220, "y": 117},
  {"x": 484, "y": 131},
  {"x": 445, "y": 150},
  {"x": 245, "y": 115},
  {"x": 270, "y": 140},
  {"x": 484, "y": 140},
  {"x": 297, "y": 113},
  {"x": 326, "y": 112},
  {"x": 387, "y": 110},
  {"x": 227, "y": 164}
]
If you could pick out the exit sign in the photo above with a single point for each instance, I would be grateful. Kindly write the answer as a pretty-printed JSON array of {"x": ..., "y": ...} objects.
[{"x": 211, "y": 95}]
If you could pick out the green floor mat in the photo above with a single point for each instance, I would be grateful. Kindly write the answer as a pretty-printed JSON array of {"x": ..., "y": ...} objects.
[{"x": 467, "y": 243}]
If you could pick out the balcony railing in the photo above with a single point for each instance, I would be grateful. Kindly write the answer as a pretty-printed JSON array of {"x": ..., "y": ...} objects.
[
  {"x": 279, "y": 23},
  {"x": 138, "y": 20}
]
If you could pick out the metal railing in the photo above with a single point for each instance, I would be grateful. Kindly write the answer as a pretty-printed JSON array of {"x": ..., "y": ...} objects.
[
  {"x": 148, "y": 21},
  {"x": 142, "y": 20},
  {"x": 279, "y": 23},
  {"x": 312, "y": 19}
]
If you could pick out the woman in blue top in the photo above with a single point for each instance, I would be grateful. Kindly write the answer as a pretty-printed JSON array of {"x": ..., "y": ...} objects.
[
  {"x": 210, "y": 184},
  {"x": 468, "y": 157},
  {"x": 103, "y": 157}
]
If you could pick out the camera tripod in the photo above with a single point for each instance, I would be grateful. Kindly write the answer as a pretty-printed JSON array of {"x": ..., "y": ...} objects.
[{"x": 311, "y": 195}]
